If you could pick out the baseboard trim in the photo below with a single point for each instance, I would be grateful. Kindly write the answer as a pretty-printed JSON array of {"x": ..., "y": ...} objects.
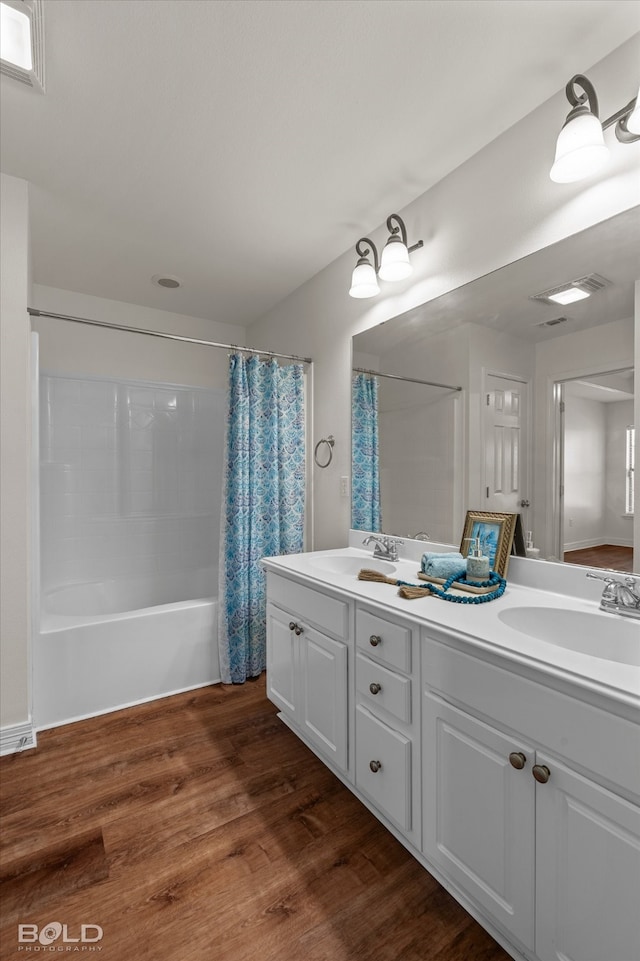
[{"x": 15, "y": 738}]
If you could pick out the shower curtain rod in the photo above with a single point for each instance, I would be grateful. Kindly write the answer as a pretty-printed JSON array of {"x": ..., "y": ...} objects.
[
  {"x": 411, "y": 380},
  {"x": 33, "y": 312}
]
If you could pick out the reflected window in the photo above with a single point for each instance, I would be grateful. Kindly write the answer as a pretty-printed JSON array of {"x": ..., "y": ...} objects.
[{"x": 630, "y": 466}]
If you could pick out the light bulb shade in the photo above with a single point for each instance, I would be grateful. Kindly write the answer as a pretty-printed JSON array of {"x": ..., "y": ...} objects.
[
  {"x": 633, "y": 120},
  {"x": 364, "y": 282},
  {"x": 395, "y": 263},
  {"x": 580, "y": 149}
]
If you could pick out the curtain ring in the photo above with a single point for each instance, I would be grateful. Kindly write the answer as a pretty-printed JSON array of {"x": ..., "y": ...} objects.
[{"x": 329, "y": 441}]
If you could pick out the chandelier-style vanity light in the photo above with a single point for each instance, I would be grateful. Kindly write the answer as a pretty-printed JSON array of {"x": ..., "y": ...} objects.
[
  {"x": 581, "y": 149},
  {"x": 394, "y": 265}
]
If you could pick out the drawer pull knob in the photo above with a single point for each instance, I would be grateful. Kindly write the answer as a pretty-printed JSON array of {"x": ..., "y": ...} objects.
[
  {"x": 541, "y": 773},
  {"x": 375, "y": 688},
  {"x": 292, "y": 625},
  {"x": 517, "y": 760},
  {"x": 374, "y": 640},
  {"x": 375, "y": 766}
]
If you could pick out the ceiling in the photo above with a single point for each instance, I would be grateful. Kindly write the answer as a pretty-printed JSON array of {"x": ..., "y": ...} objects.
[{"x": 242, "y": 145}]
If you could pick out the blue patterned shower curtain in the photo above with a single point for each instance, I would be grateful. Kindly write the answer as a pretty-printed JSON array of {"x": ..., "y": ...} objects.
[
  {"x": 263, "y": 502},
  {"x": 365, "y": 468}
]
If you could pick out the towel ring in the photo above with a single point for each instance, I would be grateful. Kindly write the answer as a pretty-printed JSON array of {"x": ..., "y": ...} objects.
[{"x": 329, "y": 441}]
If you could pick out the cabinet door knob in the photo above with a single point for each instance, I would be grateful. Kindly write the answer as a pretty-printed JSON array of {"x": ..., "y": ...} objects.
[
  {"x": 541, "y": 773},
  {"x": 375, "y": 766},
  {"x": 375, "y": 688},
  {"x": 292, "y": 625},
  {"x": 517, "y": 760},
  {"x": 374, "y": 640},
  {"x": 298, "y": 630}
]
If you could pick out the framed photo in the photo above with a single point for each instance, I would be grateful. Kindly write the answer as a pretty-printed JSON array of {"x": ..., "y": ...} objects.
[{"x": 496, "y": 533}]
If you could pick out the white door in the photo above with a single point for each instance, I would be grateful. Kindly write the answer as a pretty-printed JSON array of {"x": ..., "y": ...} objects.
[
  {"x": 505, "y": 443},
  {"x": 479, "y": 813},
  {"x": 588, "y": 863},
  {"x": 324, "y": 682},
  {"x": 282, "y": 661}
]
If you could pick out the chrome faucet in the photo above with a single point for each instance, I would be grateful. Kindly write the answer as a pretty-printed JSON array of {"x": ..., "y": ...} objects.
[
  {"x": 619, "y": 596},
  {"x": 386, "y": 547}
]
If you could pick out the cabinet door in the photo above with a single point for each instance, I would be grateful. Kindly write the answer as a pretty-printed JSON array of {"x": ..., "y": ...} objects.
[
  {"x": 282, "y": 662},
  {"x": 478, "y": 813},
  {"x": 383, "y": 767},
  {"x": 588, "y": 861},
  {"x": 324, "y": 682}
]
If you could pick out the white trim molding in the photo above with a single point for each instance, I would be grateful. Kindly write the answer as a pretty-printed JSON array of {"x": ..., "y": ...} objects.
[{"x": 17, "y": 737}]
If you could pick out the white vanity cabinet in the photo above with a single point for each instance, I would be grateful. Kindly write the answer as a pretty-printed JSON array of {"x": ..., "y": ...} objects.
[
  {"x": 387, "y": 755},
  {"x": 517, "y": 787},
  {"x": 530, "y": 807},
  {"x": 307, "y": 664}
]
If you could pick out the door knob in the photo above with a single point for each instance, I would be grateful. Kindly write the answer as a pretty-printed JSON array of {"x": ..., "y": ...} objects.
[
  {"x": 375, "y": 766},
  {"x": 517, "y": 760},
  {"x": 541, "y": 773},
  {"x": 525, "y": 503}
]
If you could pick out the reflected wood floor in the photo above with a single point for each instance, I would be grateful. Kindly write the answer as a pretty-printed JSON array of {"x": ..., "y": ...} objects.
[
  {"x": 606, "y": 556},
  {"x": 198, "y": 827}
]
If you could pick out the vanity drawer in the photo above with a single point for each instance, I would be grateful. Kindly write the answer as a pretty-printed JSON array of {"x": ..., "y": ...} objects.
[
  {"x": 384, "y": 640},
  {"x": 383, "y": 688},
  {"x": 383, "y": 767},
  {"x": 328, "y": 613}
]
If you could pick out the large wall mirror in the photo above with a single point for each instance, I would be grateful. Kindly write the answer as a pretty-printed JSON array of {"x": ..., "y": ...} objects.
[{"x": 494, "y": 397}]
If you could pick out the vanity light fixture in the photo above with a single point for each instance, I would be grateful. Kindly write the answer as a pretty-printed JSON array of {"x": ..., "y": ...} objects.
[
  {"x": 394, "y": 265},
  {"x": 580, "y": 149},
  {"x": 22, "y": 42}
]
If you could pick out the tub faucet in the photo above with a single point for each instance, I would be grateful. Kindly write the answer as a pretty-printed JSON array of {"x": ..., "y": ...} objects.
[
  {"x": 386, "y": 547},
  {"x": 619, "y": 596}
]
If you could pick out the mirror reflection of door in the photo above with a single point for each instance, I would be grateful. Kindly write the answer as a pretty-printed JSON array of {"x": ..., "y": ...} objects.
[
  {"x": 597, "y": 476},
  {"x": 505, "y": 445}
]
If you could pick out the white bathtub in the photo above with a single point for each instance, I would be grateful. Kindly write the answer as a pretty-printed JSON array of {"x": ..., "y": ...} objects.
[{"x": 104, "y": 646}]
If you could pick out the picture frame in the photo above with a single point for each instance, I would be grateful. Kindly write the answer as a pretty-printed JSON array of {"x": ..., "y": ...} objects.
[{"x": 496, "y": 532}]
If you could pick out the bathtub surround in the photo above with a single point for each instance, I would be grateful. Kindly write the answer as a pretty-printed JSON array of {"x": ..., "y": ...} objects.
[
  {"x": 131, "y": 479},
  {"x": 131, "y": 487},
  {"x": 263, "y": 503}
]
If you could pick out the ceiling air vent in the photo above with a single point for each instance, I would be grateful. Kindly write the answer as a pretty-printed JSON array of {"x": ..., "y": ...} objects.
[
  {"x": 573, "y": 290},
  {"x": 552, "y": 323}
]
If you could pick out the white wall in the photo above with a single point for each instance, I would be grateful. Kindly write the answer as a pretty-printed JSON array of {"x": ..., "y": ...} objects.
[
  {"x": 497, "y": 207},
  {"x": 78, "y": 349},
  {"x": 584, "y": 472},
  {"x": 15, "y": 444}
]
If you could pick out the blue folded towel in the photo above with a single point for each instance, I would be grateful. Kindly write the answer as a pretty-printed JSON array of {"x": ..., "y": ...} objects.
[{"x": 443, "y": 565}]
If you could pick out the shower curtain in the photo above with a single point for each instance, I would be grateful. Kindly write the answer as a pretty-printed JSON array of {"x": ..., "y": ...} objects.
[
  {"x": 365, "y": 468},
  {"x": 263, "y": 502}
]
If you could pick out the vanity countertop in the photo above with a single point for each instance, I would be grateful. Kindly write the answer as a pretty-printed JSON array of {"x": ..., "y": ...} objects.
[{"x": 479, "y": 625}]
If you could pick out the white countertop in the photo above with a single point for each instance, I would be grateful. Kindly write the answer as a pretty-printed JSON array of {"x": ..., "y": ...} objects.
[{"x": 479, "y": 624}]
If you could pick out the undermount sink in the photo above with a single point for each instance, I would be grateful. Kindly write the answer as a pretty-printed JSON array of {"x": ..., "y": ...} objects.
[
  {"x": 606, "y": 636},
  {"x": 345, "y": 564}
]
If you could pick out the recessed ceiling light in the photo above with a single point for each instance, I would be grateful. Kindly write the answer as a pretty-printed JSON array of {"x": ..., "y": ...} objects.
[
  {"x": 22, "y": 41},
  {"x": 569, "y": 296},
  {"x": 573, "y": 291},
  {"x": 166, "y": 281}
]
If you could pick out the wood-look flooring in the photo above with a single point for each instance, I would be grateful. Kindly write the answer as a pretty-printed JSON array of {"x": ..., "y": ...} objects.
[
  {"x": 199, "y": 827},
  {"x": 606, "y": 556}
]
